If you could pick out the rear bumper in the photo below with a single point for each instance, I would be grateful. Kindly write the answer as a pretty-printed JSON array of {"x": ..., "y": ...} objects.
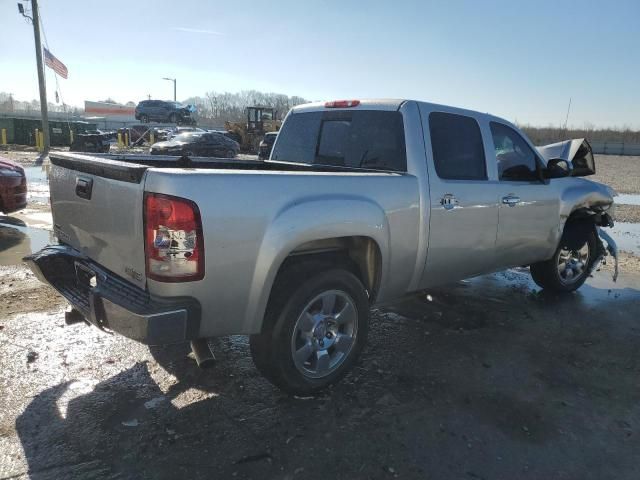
[{"x": 111, "y": 303}]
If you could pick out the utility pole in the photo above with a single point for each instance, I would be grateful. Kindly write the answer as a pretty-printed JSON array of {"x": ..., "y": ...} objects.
[
  {"x": 174, "y": 86},
  {"x": 41, "y": 80}
]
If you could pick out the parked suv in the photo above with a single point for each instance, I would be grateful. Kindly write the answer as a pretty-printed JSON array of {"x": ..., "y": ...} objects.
[{"x": 163, "y": 111}]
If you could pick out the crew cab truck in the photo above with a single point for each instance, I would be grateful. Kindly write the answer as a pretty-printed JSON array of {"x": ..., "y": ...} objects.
[{"x": 360, "y": 202}]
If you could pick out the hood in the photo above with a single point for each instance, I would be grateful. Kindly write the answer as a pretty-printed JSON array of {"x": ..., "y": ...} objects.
[
  {"x": 577, "y": 152},
  {"x": 10, "y": 164}
]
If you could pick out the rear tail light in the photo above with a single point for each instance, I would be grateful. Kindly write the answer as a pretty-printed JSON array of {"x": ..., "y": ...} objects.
[
  {"x": 174, "y": 244},
  {"x": 342, "y": 104}
]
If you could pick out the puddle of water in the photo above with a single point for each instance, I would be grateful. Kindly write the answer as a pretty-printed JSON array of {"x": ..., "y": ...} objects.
[
  {"x": 628, "y": 199},
  {"x": 37, "y": 184},
  {"x": 18, "y": 240},
  {"x": 627, "y": 236}
]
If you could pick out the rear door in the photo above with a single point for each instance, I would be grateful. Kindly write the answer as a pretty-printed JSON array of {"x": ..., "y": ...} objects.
[
  {"x": 215, "y": 148},
  {"x": 464, "y": 212},
  {"x": 529, "y": 208},
  {"x": 97, "y": 207}
]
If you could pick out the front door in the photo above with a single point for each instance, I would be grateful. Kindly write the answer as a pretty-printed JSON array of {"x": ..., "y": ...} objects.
[
  {"x": 529, "y": 208},
  {"x": 464, "y": 211}
]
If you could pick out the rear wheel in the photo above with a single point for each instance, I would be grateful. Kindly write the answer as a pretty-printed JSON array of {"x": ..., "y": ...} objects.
[
  {"x": 144, "y": 118},
  {"x": 569, "y": 267},
  {"x": 172, "y": 118},
  {"x": 315, "y": 328}
]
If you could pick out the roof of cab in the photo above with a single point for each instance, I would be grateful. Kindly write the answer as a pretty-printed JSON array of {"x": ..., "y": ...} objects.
[
  {"x": 393, "y": 104},
  {"x": 365, "y": 104}
]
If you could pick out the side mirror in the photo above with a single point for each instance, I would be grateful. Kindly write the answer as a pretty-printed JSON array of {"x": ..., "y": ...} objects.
[{"x": 557, "y": 168}]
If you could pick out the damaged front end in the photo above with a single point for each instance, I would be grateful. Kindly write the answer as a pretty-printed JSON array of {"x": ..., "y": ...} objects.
[
  {"x": 577, "y": 152},
  {"x": 586, "y": 204},
  {"x": 588, "y": 218}
]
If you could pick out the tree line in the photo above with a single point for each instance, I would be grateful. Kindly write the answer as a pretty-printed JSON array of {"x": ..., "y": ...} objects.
[
  {"x": 214, "y": 108},
  {"x": 547, "y": 135},
  {"x": 217, "y": 107}
]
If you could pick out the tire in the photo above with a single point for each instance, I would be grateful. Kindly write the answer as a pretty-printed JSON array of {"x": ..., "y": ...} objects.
[
  {"x": 172, "y": 118},
  {"x": 548, "y": 274},
  {"x": 229, "y": 154},
  {"x": 321, "y": 338},
  {"x": 144, "y": 118}
]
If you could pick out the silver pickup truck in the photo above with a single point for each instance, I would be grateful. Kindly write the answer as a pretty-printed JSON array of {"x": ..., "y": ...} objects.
[{"x": 360, "y": 202}]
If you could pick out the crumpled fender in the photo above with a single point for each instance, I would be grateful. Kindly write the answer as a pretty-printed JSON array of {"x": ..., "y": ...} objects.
[{"x": 584, "y": 194}]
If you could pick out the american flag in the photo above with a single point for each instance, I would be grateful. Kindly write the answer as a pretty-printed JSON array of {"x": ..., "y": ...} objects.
[{"x": 53, "y": 63}]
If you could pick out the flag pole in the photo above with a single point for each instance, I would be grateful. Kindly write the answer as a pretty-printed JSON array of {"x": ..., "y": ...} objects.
[{"x": 41, "y": 80}]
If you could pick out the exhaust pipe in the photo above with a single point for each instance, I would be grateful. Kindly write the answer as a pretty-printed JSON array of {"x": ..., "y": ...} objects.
[{"x": 202, "y": 352}]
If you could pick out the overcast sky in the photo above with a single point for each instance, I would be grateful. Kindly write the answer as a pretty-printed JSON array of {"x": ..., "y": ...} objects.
[{"x": 518, "y": 59}]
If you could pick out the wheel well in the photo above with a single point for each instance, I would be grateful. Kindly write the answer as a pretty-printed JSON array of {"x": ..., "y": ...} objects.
[
  {"x": 360, "y": 255},
  {"x": 578, "y": 226}
]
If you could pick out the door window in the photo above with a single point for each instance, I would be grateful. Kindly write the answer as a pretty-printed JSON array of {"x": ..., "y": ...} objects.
[
  {"x": 458, "y": 152},
  {"x": 516, "y": 160}
]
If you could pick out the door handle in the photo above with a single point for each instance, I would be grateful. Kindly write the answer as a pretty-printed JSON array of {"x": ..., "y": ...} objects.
[
  {"x": 449, "y": 202},
  {"x": 84, "y": 186},
  {"x": 511, "y": 200}
]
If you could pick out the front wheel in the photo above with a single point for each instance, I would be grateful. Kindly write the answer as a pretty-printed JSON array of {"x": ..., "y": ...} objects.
[
  {"x": 315, "y": 328},
  {"x": 569, "y": 267}
]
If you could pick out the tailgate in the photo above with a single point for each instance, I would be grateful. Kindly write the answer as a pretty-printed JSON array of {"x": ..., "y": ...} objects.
[{"x": 97, "y": 207}]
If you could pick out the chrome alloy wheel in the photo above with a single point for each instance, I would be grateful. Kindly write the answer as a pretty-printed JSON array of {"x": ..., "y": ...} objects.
[
  {"x": 573, "y": 264},
  {"x": 324, "y": 334}
]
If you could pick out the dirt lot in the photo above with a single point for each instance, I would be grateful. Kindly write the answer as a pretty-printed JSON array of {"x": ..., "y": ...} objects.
[
  {"x": 484, "y": 379},
  {"x": 621, "y": 173}
]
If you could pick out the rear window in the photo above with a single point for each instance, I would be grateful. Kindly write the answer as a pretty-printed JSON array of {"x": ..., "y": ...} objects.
[
  {"x": 458, "y": 152},
  {"x": 356, "y": 139}
]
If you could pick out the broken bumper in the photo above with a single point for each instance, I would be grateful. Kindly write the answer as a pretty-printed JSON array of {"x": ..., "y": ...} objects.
[
  {"x": 612, "y": 248},
  {"x": 111, "y": 303}
]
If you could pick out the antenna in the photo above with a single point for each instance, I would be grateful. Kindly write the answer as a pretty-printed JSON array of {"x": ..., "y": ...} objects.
[{"x": 566, "y": 119}]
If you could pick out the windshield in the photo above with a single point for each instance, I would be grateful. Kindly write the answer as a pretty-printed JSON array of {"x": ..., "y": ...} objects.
[{"x": 187, "y": 137}]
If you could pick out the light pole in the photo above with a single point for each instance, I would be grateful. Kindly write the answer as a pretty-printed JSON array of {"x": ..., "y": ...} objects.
[{"x": 174, "y": 86}]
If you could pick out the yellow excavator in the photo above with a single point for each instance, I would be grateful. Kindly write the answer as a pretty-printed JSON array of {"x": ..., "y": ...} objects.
[{"x": 260, "y": 120}]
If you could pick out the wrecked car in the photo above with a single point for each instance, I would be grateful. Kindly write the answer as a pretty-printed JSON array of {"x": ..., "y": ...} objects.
[
  {"x": 359, "y": 203},
  {"x": 165, "y": 111}
]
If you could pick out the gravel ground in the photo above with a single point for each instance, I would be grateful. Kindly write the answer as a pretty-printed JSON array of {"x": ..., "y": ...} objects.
[
  {"x": 484, "y": 379},
  {"x": 627, "y": 213},
  {"x": 620, "y": 173}
]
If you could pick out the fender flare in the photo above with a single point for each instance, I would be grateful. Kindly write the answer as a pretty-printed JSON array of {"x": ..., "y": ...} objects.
[{"x": 306, "y": 220}]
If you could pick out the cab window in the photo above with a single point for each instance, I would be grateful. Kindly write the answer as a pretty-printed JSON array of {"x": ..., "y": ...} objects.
[
  {"x": 515, "y": 158},
  {"x": 458, "y": 152}
]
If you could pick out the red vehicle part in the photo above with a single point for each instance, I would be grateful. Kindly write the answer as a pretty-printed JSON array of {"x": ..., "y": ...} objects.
[{"x": 13, "y": 186}]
